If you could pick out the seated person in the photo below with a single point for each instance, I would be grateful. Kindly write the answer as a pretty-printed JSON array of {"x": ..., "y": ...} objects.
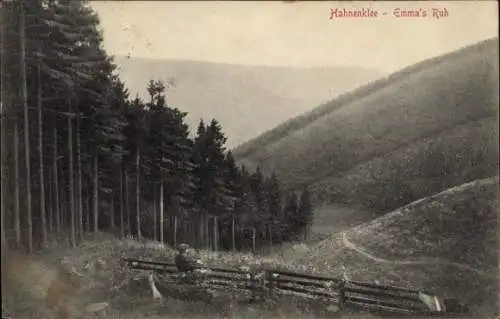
[{"x": 184, "y": 262}]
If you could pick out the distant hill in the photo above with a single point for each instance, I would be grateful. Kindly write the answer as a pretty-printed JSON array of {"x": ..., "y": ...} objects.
[
  {"x": 421, "y": 130},
  {"x": 446, "y": 243},
  {"x": 247, "y": 100}
]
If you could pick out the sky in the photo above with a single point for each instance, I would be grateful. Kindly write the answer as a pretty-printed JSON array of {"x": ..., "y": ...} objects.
[{"x": 292, "y": 33}]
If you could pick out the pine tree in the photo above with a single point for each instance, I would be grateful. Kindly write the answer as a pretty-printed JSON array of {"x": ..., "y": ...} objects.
[
  {"x": 233, "y": 193},
  {"x": 274, "y": 202},
  {"x": 119, "y": 102},
  {"x": 11, "y": 107},
  {"x": 64, "y": 45},
  {"x": 258, "y": 188},
  {"x": 24, "y": 94},
  {"x": 135, "y": 132},
  {"x": 212, "y": 196},
  {"x": 291, "y": 214},
  {"x": 305, "y": 212},
  {"x": 167, "y": 156},
  {"x": 4, "y": 118},
  {"x": 274, "y": 196},
  {"x": 201, "y": 179}
]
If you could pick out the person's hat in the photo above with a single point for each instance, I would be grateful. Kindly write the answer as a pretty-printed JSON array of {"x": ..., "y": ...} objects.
[{"x": 183, "y": 247}]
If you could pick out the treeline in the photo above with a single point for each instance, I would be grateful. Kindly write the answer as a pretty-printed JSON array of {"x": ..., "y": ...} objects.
[{"x": 79, "y": 155}]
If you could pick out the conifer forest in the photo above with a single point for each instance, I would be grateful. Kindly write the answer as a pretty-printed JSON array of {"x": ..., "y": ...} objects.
[{"x": 81, "y": 156}]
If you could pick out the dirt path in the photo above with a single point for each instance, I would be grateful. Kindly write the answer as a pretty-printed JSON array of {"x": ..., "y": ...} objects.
[{"x": 423, "y": 261}]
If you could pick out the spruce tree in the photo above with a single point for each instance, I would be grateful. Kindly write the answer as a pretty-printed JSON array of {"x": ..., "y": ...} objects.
[
  {"x": 273, "y": 192},
  {"x": 305, "y": 212},
  {"x": 291, "y": 214}
]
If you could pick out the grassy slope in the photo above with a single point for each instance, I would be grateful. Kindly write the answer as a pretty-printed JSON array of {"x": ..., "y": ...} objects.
[
  {"x": 445, "y": 243},
  {"x": 452, "y": 157},
  {"x": 130, "y": 298},
  {"x": 125, "y": 290},
  {"x": 329, "y": 219},
  {"x": 247, "y": 100},
  {"x": 303, "y": 120},
  {"x": 424, "y": 101}
]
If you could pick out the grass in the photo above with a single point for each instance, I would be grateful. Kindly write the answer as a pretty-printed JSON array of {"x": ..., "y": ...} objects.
[
  {"x": 126, "y": 290},
  {"x": 333, "y": 218},
  {"x": 130, "y": 297},
  {"x": 436, "y": 104},
  {"x": 446, "y": 243},
  {"x": 458, "y": 225}
]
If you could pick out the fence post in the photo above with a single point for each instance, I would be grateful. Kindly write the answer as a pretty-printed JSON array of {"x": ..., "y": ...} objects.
[
  {"x": 254, "y": 286},
  {"x": 270, "y": 278},
  {"x": 342, "y": 294},
  {"x": 253, "y": 240}
]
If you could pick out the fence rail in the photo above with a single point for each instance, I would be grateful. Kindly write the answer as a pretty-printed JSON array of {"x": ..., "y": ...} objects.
[{"x": 344, "y": 293}]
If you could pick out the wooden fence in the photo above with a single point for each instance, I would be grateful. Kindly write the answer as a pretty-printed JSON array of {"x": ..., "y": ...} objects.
[{"x": 345, "y": 294}]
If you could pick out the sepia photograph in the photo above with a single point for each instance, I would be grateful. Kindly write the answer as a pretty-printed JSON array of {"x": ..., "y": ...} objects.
[{"x": 249, "y": 159}]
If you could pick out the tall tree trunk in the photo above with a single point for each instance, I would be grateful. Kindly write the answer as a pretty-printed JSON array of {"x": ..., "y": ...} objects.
[
  {"x": 24, "y": 87},
  {"x": 71, "y": 177},
  {"x": 161, "y": 213},
  {"x": 189, "y": 234},
  {"x": 40, "y": 155},
  {"x": 175, "y": 230},
  {"x": 64, "y": 202},
  {"x": 57, "y": 202},
  {"x": 216, "y": 234},
  {"x": 112, "y": 217},
  {"x": 199, "y": 230},
  {"x": 3, "y": 153},
  {"x": 155, "y": 217},
  {"x": 253, "y": 239},
  {"x": 96, "y": 195},
  {"x": 127, "y": 205},
  {"x": 270, "y": 235},
  {"x": 17, "y": 200},
  {"x": 122, "y": 228},
  {"x": 207, "y": 229},
  {"x": 138, "y": 195},
  {"x": 79, "y": 187},
  {"x": 233, "y": 233},
  {"x": 88, "y": 204},
  {"x": 50, "y": 212},
  {"x": 209, "y": 233}
]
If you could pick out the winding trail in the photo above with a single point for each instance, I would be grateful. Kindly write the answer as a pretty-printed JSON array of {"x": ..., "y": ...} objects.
[{"x": 423, "y": 261}]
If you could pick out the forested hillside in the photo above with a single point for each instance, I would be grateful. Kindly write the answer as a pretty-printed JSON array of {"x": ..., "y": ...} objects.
[
  {"x": 80, "y": 155},
  {"x": 426, "y": 128}
]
